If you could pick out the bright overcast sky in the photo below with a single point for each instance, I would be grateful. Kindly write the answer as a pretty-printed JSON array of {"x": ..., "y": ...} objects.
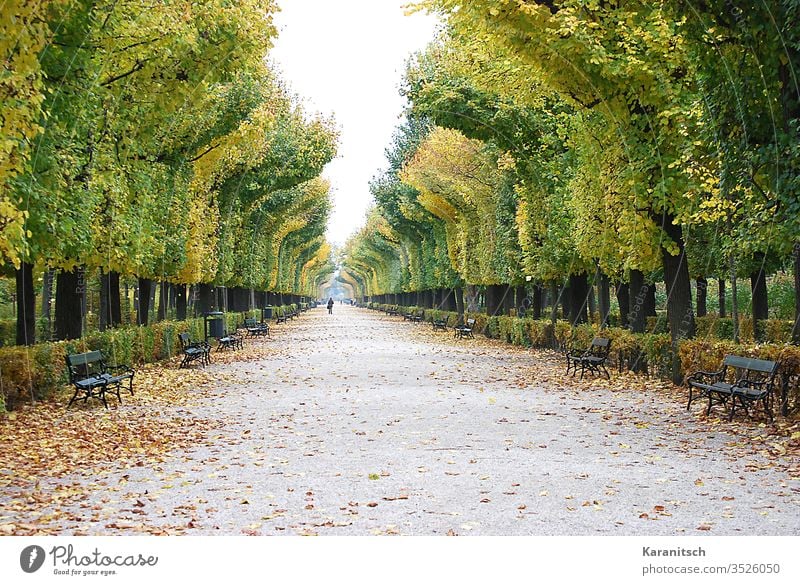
[{"x": 346, "y": 58}]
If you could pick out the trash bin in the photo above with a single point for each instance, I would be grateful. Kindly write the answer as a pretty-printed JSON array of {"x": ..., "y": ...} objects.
[
  {"x": 266, "y": 313},
  {"x": 214, "y": 324}
]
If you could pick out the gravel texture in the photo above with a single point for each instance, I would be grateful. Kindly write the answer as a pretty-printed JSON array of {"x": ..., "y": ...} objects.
[{"x": 359, "y": 423}]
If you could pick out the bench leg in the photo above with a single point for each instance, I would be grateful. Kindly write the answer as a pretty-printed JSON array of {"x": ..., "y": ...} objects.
[
  {"x": 103, "y": 397},
  {"x": 767, "y": 408},
  {"x": 117, "y": 392},
  {"x": 77, "y": 391},
  {"x": 733, "y": 408}
]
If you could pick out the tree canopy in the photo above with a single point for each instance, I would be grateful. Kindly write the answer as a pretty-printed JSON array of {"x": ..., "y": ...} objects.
[{"x": 547, "y": 140}]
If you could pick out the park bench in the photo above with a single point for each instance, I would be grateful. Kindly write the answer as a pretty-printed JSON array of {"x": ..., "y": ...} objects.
[
  {"x": 419, "y": 316},
  {"x": 465, "y": 329},
  {"x": 439, "y": 324},
  {"x": 230, "y": 341},
  {"x": 256, "y": 329},
  {"x": 94, "y": 378},
  {"x": 408, "y": 316},
  {"x": 747, "y": 380},
  {"x": 194, "y": 351},
  {"x": 593, "y": 358}
]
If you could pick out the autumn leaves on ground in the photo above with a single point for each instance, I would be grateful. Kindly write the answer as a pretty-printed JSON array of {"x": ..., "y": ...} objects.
[{"x": 358, "y": 423}]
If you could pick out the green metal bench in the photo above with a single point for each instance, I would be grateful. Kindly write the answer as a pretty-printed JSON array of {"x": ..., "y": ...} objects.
[
  {"x": 194, "y": 351},
  {"x": 592, "y": 358},
  {"x": 256, "y": 329},
  {"x": 741, "y": 379},
  {"x": 464, "y": 330},
  {"x": 92, "y": 377}
]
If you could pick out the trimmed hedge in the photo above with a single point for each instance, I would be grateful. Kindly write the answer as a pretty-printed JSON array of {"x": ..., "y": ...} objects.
[
  {"x": 650, "y": 353},
  {"x": 37, "y": 371}
]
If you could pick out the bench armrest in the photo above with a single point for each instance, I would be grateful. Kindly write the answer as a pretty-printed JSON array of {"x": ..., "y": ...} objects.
[
  {"x": 700, "y": 375},
  {"x": 573, "y": 351},
  {"x": 745, "y": 383},
  {"x": 197, "y": 345}
]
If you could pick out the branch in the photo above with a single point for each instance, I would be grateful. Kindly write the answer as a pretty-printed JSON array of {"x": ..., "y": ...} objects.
[
  {"x": 139, "y": 65},
  {"x": 202, "y": 154}
]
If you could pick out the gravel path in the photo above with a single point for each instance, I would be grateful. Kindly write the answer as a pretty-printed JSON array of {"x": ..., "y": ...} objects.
[{"x": 358, "y": 423}]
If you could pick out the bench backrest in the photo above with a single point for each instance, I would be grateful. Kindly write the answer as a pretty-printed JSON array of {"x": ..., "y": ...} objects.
[
  {"x": 250, "y": 322},
  {"x": 600, "y": 346},
  {"x": 750, "y": 364},
  {"x": 184, "y": 339},
  {"x": 84, "y": 365},
  {"x": 470, "y": 323}
]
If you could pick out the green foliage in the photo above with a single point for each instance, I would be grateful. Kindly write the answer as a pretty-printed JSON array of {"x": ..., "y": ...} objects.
[
  {"x": 546, "y": 140},
  {"x": 165, "y": 147}
]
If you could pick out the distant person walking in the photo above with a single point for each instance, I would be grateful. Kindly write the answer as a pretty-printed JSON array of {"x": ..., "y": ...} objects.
[{"x": 330, "y": 305}]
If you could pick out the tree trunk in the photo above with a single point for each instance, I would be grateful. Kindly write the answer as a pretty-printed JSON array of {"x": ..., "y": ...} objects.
[
  {"x": 47, "y": 301},
  {"x": 128, "y": 303},
  {"x": 26, "y": 305},
  {"x": 537, "y": 293},
  {"x": 458, "y": 294},
  {"x": 494, "y": 299},
  {"x": 679, "y": 294},
  {"x": 180, "y": 302},
  {"x": 70, "y": 287},
  {"x": 222, "y": 299},
  {"x": 471, "y": 298},
  {"x": 163, "y": 300},
  {"x": 637, "y": 315},
  {"x": 521, "y": 301},
  {"x": 564, "y": 295},
  {"x": 650, "y": 301},
  {"x": 702, "y": 295},
  {"x": 554, "y": 302},
  {"x": 604, "y": 298},
  {"x": 721, "y": 296},
  {"x": 104, "y": 317},
  {"x": 758, "y": 285},
  {"x": 145, "y": 297},
  {"x": 205, "y": 299},
  {"x": 115, "y": 303},
  {"x": 623, "y": 295},
  {"x": 578, "y": 298},
  {"x": 451, "y": 303},
  {"x": 507, "y": 299}
]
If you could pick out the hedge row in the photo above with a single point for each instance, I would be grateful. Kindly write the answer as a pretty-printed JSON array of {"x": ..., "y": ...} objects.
[
  {"x": 36, "y": 372},
  {"x": 650, "y": 353}
]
